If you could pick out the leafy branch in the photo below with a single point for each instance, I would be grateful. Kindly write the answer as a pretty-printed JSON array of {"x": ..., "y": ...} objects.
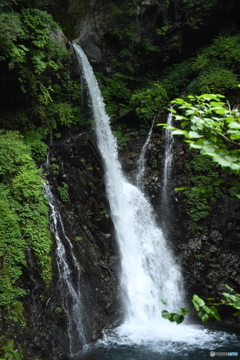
[
  {"x": 209, "y": 125},
  {"x": 205, "y": 311}
]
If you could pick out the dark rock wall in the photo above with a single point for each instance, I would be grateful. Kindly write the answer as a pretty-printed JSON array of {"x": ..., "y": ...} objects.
[
  {"x": 176, "y": 27},
  {"x": 88, "y": 225}
]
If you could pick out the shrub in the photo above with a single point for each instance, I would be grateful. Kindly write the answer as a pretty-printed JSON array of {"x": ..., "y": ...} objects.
[{"x": 24, "y": 216}]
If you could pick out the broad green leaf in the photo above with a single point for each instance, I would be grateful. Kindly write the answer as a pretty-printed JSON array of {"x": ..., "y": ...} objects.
[
  {"x": 232, "y": 297},
  {"x": 214, "y": 138},
  {"x": 206, "y": 309},
  {"x": 215, "y": 313},
  {"x": 183, "y": 311},
  {"x": 195, "y": 146},
  {"x": 221, "y": 161},
  {"x": 201, "y": 314},
  {"x": 179, "y": 117},
  {"x": 181, "y": 188},
  {"x": 217, "y": 104},
  {"x": 200, "y": 302},
  {"x": 210, "y": 96},
  {"x": 234, "y": 125},
  {"x": 179, "y": 132},
  {"x": 220, "y": 111},
  {"x": 171, "y": 317},
  {"x": 166, "y": 314},
  {"x": 205, "y": 318},
  {"x": 193, "y": 134},
  {"x": 178, "y": 318},
  {"x": 227, "y": 286}
]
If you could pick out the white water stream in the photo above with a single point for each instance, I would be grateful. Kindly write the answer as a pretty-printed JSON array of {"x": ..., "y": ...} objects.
[
  {"x": 141, "y": 166},
  {"x": 69, "y": 286},
  {"x": 167, "y": 167},
  {"x": 149, "y": 272}
]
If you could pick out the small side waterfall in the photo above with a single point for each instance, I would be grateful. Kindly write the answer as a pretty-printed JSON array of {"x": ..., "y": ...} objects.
[
  {"x": 167, "y": 167},
  {"x": 149, "y": 272},
  {"x": 142, "y": 160},
  {"x": 69, "y": 278},
  {"x": 168, "y": 142}
]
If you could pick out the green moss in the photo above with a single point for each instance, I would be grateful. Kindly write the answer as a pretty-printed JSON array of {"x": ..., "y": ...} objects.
[
  {"x": 63, "y": 192},
  {"x": 24, "y": 217},
  {"x": 203, "y": 177},
  {"x": 11, "y": 351}
]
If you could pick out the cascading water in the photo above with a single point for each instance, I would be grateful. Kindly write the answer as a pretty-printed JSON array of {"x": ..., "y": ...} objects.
[
  {"x": 149, "y": 272},
  {"x": 142, "y": 160},
  {"x": 167, "y": 166},
  {"x": 69, "y": 285}
]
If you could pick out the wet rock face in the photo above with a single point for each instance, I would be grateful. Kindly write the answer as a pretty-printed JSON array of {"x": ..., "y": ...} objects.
[{"x": 76, "y": 167}]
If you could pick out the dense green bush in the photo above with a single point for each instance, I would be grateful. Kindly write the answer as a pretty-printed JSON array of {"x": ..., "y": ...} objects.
[
  {"x": 213, "y": 80},
  {"x": 148, "y": 101},
  {"x": 24, "y": 217},
  {"x": 28, "y": 46},
  {"x": 116, "y": 91},
  {"x": 214, "y": 69}
]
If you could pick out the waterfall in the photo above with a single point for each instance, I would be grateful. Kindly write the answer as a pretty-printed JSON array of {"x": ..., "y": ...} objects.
[
  {"x": 167, "y": 166},
  {"x": 142, "y": 160},
  {"x": 69, "y": 277},
  {"x": 148, "y": 270}
]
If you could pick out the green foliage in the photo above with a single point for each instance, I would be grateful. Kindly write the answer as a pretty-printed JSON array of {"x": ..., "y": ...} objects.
[
  {"x": 232, "y": 300},
  {"x": 10, "y": 351},
  {"x": 116, "y": 91},
  {"x": 176, "y": 78},
  {"x": 38, "y": 149},
  {"x": 123, "y": 137},
  {"x": 209, "y": 311},
  {"x": 54, "y": 169},
  {"x": 23, "y": 217},
  {"x": 11, "y": 251},
  {"x": 58, "y": 310},
  {"x": 45, "y": 55},
  {"x": 213, "y": 80},
  {"x": 212, "y": 127},
  {"x": 148, "y": 101},
  {"x": 225, "y": 49},
  {"x": 150, "y": 47},
  {"x": 63, "y": 192},
  {"x": 217, "y": 66},
  {"x": 11, "y": 31},
  {"x": 215, "y": 69},
  {"x": 204, "y": 181},
  {"x": 27, "y": 43},
  {"x": 154, "y": 163},
  {"x": 122, "y": 16},
  {"x": 79, "y": 238},
  {"x": 177, "y": 317},
  {"x": 205, "y": 312},
  {"x": 16, "y": 313},
  {"x": 195, "y": 11}
]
